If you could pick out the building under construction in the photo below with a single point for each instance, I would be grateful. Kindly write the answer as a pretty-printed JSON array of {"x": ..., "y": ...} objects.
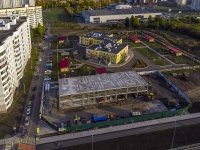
[{"x": 89, "y": 90}]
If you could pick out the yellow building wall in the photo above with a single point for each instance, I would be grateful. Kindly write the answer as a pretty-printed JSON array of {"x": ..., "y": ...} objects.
[
  {"x": 179, "y": 54},
  {"x": 115, "y": 58},
  {"x": 64, "y": 69}
]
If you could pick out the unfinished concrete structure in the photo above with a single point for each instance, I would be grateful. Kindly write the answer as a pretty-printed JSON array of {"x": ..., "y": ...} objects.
[{"x": 88, "y": 90}]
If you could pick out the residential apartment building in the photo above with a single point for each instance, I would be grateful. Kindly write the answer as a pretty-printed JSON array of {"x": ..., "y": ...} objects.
[
  {"x": 34, "y": 14},
  {"x": 15, "y": 50},
  {"x": 15, "y": 3},
  {"x": 195, "y": 4},
  {"x": 181, "y": 2}
]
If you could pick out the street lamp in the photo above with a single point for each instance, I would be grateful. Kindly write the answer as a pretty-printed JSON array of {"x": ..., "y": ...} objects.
[
  {"x": 14, "y": 128},
  {"x": 174, "y": 134},
  {"x": 24, "y": 88}
]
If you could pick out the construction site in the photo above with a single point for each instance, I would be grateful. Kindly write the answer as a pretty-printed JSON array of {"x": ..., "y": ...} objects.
[{"x": 85, "y": 100}]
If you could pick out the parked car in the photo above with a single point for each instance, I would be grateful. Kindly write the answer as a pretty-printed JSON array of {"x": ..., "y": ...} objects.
[
  {"x": 29, "y": 104},
  {"x": 47, "y": 72},
  {"x": 28, "y": 111},
  {"x": 36, "y": 77},
  {"x": 23, "y": 132},
  {"x": 27, "y": 121},
  {"x": 37, "y": 70},
  {"x": 34, "y": 88},
  {"x": 47, "y": 78},
  {"x": 32, "y": 97},
  {"x": 40, "y": 59}
]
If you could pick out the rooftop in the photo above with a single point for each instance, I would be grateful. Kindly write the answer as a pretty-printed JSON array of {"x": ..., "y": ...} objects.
[
  {"x": 174, "y": 49},
  {"x": 100, "y": 70},
  {"x": 135, "y": 38},
  {"x": 116, "y": 12},
  {"x": 100, "y": 82},
  {"x": 148, "y": 37},
  {"x": 97, "y": 35},
  {"x": 5, "y": 33},
  {"x": 108, "y": 45},
  {"x": 64, "y": 63}
]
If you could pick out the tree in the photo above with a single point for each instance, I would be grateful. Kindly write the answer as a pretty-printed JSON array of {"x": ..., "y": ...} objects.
[
  {"x": 32, "y": 34},
  {"x": 40, "y": 30},
  {"x": 132, "y": 21},
  {"x": 136, "y": 22},
  {"x": 127, "y": 22}
]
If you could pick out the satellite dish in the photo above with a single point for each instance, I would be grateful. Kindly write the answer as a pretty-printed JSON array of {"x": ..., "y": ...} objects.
[
  {"x": 6, "y": 21},
  {"x": 13, "y": 17}
]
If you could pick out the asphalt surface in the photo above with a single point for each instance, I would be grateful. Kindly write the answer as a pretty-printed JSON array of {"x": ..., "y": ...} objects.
[
  {"x": 113, "y": 135},
  {"x": 34, "y": 116}
]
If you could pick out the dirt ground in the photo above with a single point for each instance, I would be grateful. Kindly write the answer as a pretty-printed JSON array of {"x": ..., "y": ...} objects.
[{"x": 190, "y": 85}]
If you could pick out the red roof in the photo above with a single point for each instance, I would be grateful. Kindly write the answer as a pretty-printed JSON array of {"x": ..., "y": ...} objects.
[
  {"x": 135, "y": 38},
  {"x": 174, "y": 49},
  {"x": 148, "y": 37},
  {"x": 100, "y": 70},
  {"x": 64, "y": 63},
  {"x": 61, "y": 38},
  {"x": 25, "y": 147}
]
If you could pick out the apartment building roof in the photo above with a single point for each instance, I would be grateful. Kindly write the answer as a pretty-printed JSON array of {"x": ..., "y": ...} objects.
[{"x": 5, "y": 33}]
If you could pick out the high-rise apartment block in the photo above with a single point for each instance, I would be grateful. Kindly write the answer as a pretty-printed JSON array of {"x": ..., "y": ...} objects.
[
  {"x": 195, "y": 4},
  {"x": 23, "y": 8},
  {"x": 15, "y": 50}
]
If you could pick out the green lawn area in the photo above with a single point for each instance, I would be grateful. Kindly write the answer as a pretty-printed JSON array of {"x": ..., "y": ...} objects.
[
  {"x": 156, "y": 46},
  {"x": 14, "y": 115},
  {"x": 55, "y": 66},
  {"x": 182, "y": 60},
  {"x": 139, "y": 64},
  {"x": 155, "y": 58},
  {"x": 53, "y": 15},
  {"x": 136, "y": 44},
  {"x": 161, "y": 62},
  {"x": 148, "y": 53}
]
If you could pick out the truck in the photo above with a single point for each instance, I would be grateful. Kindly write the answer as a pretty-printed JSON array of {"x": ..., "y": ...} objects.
[{"x": 99, "y": 118}]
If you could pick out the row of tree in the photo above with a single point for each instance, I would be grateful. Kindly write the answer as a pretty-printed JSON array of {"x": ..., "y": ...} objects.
[{"x": 188, "y": 26}]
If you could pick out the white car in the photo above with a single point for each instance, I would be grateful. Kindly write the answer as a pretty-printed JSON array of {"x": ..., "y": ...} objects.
[
  {"x": 40, "y": 59},
  {"x": 29, "y": 104},
  {"x": 27, "y": 121},
  {"x": 28, "y": 111},
  {"x": 47, "y": 72},
  {"x": 47, "y": 79}
]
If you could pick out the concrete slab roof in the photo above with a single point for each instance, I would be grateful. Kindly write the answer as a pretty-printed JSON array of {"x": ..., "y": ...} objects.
[
  {"x": 101, "y": 82},
  {"x": 117, "y": 12},
  {"x": 5, "y": 33}
]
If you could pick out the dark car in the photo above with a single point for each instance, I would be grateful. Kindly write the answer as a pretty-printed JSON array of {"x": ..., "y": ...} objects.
[
  {"x": 23, "y": 132},
  {"x": 33, "y": 88},
  {"x": 36, "y": 77},
  {"x": 32, "y": 97}
]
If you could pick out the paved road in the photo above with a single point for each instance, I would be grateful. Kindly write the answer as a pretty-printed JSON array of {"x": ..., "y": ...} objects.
[
  {"x": 113, "y": 135},
  {"x": 31, "y": 129}
]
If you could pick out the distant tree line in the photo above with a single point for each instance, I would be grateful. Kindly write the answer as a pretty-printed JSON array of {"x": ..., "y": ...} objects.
[
  {"x": 74, "y": 6},
  {"x": 186, "y": 25}
]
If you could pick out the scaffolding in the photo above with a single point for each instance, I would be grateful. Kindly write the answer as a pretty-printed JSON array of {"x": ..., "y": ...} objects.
[{"x": 89, "y": 90}]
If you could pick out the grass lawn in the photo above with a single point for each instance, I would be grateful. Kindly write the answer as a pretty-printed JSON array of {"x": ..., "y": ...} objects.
[
  {"x": 148, "y": 53},
  {"x": 136, "y": 44},
  {"x": 155, "y": 58},
  {"x": 14, "y": 115},
  {"x": 139, "y": 64},
  {"x": 53, "y": 14},
  {"x": 82, "y": 71},
  {"x": 182, "y": 60},
  {"x": 161, "y": 62},
  {"x": 156, "y": 46}
]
